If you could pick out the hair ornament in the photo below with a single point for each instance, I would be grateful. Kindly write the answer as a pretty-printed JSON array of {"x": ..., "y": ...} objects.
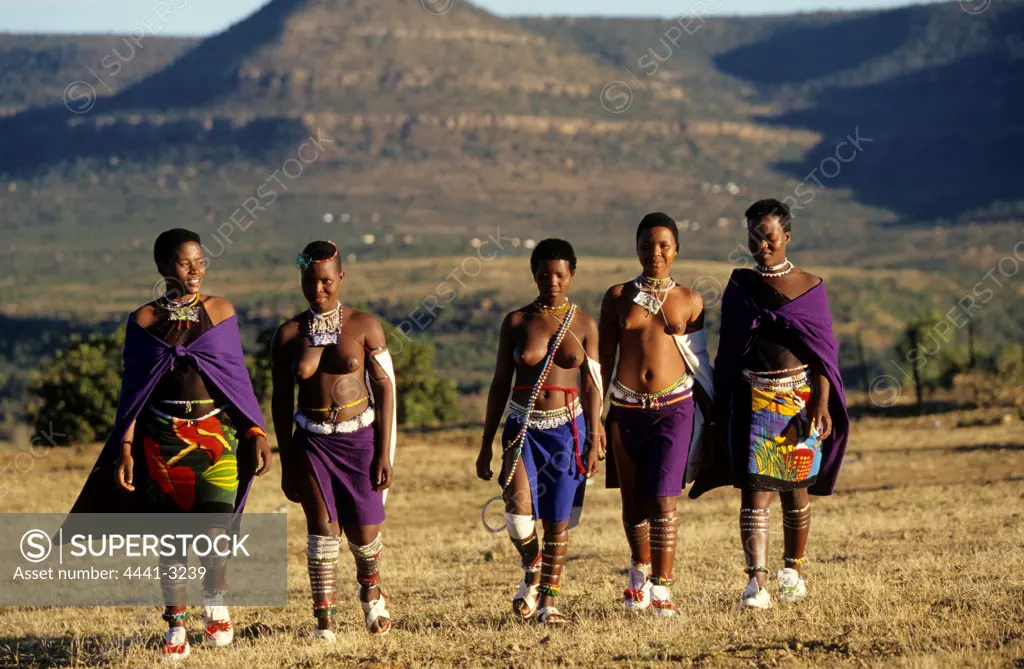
[{"x": 304, "y": 260}]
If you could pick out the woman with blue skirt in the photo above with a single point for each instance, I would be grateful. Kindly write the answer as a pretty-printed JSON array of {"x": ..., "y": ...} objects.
[{"x": 549, "y": 348}]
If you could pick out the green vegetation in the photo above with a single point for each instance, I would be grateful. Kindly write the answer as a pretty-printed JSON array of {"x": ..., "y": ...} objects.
[{"x": 78, "y": 390}]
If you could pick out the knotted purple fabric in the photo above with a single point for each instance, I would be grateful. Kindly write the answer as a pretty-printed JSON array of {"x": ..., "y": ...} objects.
[
  {"x": 217, "y": 354},
  {"x": 809, "y": 320}
]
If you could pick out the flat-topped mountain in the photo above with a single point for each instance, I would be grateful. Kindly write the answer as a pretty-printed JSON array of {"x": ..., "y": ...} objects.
[{"x": 445, "y": 124}]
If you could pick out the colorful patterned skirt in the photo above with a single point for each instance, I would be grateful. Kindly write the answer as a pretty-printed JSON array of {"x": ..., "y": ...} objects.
[
  {"x": 191, "y": 464},
  {"x": 340, "y": 457},
  {"x": 558, "y": 482},
  {"x": 773, "y": 444},
  {"x": 655, "y": 430}
]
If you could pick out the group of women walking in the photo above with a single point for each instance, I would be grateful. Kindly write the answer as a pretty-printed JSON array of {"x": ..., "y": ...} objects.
[{"x": 771, "y": 416}]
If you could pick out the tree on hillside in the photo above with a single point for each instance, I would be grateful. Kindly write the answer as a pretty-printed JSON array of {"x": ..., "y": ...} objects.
[
  {"x": 79, "y": 386},
  {"x": 929, "y": 345},
  {"x": 78, "y": 389}
]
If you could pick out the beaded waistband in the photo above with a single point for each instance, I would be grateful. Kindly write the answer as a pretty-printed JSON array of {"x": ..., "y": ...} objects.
[
  {"x": 545, "y": 420},
  {"x": 621, "y": 396},
  {"x": 764, "y": 381},
  {"x": 344, "y": 427},
  {"x": 179, "y": 419}
]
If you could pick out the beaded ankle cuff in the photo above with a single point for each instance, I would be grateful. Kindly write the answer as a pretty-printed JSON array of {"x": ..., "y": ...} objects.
[
  {"x": 795, "y": 562},
  {"x": 174, "y": 617},
  {"x": 550, "y": 590}
]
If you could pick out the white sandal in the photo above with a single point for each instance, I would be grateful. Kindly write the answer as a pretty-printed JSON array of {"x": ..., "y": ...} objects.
[
  {"x": 545, "y": 612},
  {"x": 530, "y": 595},
  {"x": 324, "y": 636},
  {"x": 375, "y": 610}
]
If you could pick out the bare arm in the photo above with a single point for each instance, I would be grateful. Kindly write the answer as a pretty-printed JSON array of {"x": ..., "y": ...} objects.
[
  {"x": 497, "y": 396},
  {"x": 696, "y": 324},
  {"x": 385, "y": 401},
  {"x": 608, "y": 335},
  {"x": 592, "y": 399},
  {"x": 282, "y": 401}
]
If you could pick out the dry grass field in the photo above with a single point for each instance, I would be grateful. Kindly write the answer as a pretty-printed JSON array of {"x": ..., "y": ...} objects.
[{"x": 916, "y": 561}]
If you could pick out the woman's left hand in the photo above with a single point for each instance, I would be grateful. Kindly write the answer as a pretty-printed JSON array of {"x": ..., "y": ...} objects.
[
  {"x": 381, "y": 473},
  {"x": 593, "y": 456},
  {"x": 602, "y": 442},
  {"x": 261, "y": 454},
  {"x": 821, "y": 420}
]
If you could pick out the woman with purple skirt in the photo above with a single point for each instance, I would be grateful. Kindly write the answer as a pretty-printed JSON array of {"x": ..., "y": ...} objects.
[
  {"x": 656, "y": 327},
  {"x": 545, "y": 347},
  {"x": 782, "y": 412},
  {"x": 337, "y": 461}
]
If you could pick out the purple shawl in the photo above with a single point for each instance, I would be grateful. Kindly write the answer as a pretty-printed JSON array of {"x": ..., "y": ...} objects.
[
  {"x": 218, "y": 356},
  {"x": 809, "y": 319}
]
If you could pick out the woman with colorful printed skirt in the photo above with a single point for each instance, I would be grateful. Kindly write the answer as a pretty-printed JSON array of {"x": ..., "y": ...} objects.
[
  {"x": 654, "y": 426},
  {"x": 782, "y": 409},
  {"x": 189, "y": 435},
  {"x": 546, "y": 455},
  {"x": 337, "y": 461}
]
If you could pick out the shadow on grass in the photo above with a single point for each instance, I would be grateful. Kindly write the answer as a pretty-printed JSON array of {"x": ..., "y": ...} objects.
[{"x": 101, "y": 650}]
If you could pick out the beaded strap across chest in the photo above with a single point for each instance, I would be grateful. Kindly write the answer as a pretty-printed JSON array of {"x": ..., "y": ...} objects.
[{"x": 553, "y": 346}]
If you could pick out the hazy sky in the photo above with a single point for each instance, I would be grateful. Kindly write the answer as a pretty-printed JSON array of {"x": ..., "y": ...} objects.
[{"x": 202, "y": 17}]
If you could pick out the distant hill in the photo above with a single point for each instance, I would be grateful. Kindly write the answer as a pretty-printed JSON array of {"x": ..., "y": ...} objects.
[
  {"x": 440, "y": 128},
  {"x": 36, "y": 70}
]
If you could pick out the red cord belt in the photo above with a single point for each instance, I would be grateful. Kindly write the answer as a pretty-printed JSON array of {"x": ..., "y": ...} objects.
[{"x": 570, "y": 395}]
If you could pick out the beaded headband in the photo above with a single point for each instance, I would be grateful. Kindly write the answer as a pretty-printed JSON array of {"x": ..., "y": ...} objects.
[{"x": 303, "y": 260}]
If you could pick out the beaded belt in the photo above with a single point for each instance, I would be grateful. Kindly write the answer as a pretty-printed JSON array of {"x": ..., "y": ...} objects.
[
  {"x": 545, "y": 420},
  {"x": 167, "y": 416},
  {"x": 763, "y": 381},
  {"x": 344, "y": 427},
  {"x": 621, "y": 396}
]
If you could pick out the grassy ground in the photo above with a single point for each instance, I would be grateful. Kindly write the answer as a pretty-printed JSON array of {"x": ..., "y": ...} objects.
[{"x": 916, "y": 561}]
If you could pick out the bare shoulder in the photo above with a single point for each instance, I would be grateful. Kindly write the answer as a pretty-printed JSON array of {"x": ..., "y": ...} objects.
[
  {"x": 363, "y": 319},
  {"x": 615, "y": 291},
  {"x": 514, "y": 319},
  {"x": 809, "y": 280},
  {"x": 219, "y": 308},
  {"x": 144, "y": 315},
  {"x": 288, "y": 331},
  {"x": 690, "y": 296},
  {"x": 585, "y": 320}
]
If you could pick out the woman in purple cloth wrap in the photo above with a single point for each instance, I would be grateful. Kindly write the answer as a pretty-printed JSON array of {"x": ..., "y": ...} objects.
[
  {"x": 545, "y": 346},
  {"x": 337, "y": 462},
  {"x": 782, "y": 413},
  {"x": 651, "y": 422},
  {"x": 188, "y": 436}
]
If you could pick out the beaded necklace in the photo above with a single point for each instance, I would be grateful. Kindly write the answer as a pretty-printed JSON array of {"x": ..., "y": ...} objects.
[
  {"x": 553, "y": 311},
  {"x": 782, "y": 269},
  {"x": 324, "y": 328},
  {"x": 180, "y": 312},
  {"x": 556, "y": 342},
  {"x": 660, "y": 288}
]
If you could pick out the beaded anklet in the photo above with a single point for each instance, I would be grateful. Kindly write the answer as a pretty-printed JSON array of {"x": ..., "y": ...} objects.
[
  {"x": 550, "y": 590},
  {"x": 754, "y": 569},
  {"x": 795, "y": 562},
  {"x": 174, "y": 617},
  {"x": 662, "y": 580},
  {"x": 324, "y": 610}
]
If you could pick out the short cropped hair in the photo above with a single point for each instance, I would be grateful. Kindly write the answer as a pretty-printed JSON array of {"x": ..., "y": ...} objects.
[
  {"x": 552, "y": 249},
  {"x": 168, "y": 242},
  {"x": 770, "y": 208},
  {"x": 657, "y": 220}
]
